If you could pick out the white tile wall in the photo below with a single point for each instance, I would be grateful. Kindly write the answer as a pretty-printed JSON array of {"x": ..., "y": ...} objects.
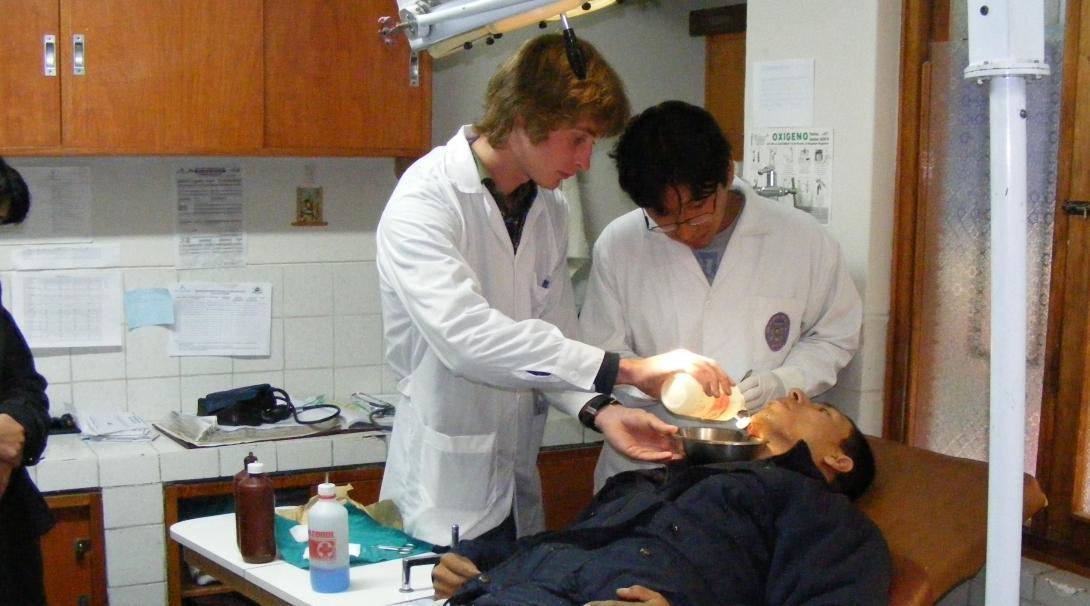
[
  {"x": 308, "y": 342},
  {"x": 154, "y": 398},
  {"x": 1041, "y": 585},
  {"x": 122, "y": 464},
  {"x": 136, "y": 555},
  {"x": 178, "y": 463},
  {"x": 308, "y": 290},
  {"x": 348, "y": 449},
  {"x": 139, "y": 595},
  {"x": 313, "y": 453},
  {"x": 139, "y": 505}
]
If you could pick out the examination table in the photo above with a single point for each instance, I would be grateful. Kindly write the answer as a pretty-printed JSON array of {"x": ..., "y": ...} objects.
[{"x": 933, "y": 509}]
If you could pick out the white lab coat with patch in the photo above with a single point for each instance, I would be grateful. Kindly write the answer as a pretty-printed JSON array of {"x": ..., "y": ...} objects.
[
  {"x": 471, "y": 329},
  {"x": 782, "y": 300}
]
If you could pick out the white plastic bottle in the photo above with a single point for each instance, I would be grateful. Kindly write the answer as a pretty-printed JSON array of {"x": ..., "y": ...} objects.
[
  {"x": 327, "y": 525},
  {"x": 683, "y": 395}
]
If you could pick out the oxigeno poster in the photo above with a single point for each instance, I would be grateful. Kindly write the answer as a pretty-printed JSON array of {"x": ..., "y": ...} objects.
[{"x": 803, "y": 162}]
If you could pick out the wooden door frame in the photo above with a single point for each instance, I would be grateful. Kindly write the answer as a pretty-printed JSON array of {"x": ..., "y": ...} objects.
[
  {"x": 1055, "y": 537},
  {"x": 923, "y": 21}
]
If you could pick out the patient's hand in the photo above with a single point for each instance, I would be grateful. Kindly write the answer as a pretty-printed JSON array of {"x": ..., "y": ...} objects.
[
  {"x": 638, "y": 434},
  {"x": 636, "y": 594},
  {"x": 450, "y": 573}
]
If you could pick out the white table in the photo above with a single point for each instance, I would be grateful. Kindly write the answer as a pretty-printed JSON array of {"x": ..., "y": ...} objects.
[{"x": 209, "y": 544}]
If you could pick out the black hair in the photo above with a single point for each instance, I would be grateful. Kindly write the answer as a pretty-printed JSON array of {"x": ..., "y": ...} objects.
[
  {"x": 14, "y": 190},
  {"x": 673, "y": 144},
  {"x": 856, "y": 482}
]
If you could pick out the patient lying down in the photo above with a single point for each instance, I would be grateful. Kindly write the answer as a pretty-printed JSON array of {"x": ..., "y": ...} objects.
[{"x": 779, "y": 530}]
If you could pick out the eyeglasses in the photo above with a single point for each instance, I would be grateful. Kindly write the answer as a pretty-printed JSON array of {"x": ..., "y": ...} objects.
[{"x": 700, "y": 219}]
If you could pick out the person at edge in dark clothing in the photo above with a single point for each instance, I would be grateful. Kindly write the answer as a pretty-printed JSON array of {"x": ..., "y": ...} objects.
[
  {"x": 778, "y": 530},
  {"x": 24, "y": 426}
]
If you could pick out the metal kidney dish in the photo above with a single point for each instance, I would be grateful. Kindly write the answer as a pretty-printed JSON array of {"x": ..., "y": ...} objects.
[{"x": 717, "y": 444}]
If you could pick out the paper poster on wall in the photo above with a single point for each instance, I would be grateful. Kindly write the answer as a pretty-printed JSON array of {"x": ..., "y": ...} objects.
[
  {"x": 803, "y": 161},
  {"x": 783, "y": 93},
  {"x": 209, "y": 217},
  {"x": 67, "y": 256},
  {"x": 60, "y": 209},
  {"x": 68, "y": 308},
  {"x": 213, "y": 319}
]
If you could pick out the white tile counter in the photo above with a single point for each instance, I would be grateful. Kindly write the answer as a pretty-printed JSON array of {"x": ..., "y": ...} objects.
[{"x": 131, "y": 477}]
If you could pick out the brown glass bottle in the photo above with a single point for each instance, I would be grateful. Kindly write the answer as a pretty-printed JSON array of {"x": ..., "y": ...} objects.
[
  {"x": 250, "y": 458},
  {"x": 255, "y": 506}
]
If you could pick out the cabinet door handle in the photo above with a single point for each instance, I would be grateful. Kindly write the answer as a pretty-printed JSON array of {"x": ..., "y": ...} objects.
[
  {"x": 49, "y": 55},
  {"x": 83, "y": 547},
  {"x": 78, "y": 55}
]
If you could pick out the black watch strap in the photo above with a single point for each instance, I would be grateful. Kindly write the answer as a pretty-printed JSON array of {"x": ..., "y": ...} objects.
[{"x": 591, "y": 408}]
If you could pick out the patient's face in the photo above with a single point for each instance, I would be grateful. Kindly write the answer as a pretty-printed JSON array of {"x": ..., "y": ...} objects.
[{"x": 785, "y": 421}]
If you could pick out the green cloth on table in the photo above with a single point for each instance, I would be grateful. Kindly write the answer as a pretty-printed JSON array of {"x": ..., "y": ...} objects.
[{"x": 362, "y": 529}]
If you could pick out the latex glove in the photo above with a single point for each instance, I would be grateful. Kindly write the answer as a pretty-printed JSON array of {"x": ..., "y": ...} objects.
[
  {"x": 638, "y": 434},
  {"x": 760, "y": 387},
  {"x": 636, "y": 594},
  {"x": 451, "y": 573}
]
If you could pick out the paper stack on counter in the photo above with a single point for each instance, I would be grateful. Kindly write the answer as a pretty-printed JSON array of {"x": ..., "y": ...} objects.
[{"x": 115, "y": 427}]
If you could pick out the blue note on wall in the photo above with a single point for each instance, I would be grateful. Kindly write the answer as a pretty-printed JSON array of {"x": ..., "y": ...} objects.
[{"x": 148, "y": 307}]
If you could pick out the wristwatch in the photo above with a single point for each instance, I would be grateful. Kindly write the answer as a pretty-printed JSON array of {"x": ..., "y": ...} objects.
[{"x": 591, "y": 408}]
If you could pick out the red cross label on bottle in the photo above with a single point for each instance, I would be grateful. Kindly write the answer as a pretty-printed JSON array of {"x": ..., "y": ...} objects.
[{"x": 323, "y": 545}]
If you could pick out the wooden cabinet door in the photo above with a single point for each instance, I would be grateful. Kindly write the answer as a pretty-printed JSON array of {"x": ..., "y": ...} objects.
[
  {"x": 332, "y": 85},
  {"x": 163, "y": 76},
  {"x": 73, "y": 551},
  {"x": 220, "y": 105},
  {"x": 121, "y": 100},
  {"x": 30, "y": 105}
]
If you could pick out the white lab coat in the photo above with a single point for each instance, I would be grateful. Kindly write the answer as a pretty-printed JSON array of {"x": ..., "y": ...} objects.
[
  {"x": 471, "y": 329},
  {"x": 647, "y": 295}
]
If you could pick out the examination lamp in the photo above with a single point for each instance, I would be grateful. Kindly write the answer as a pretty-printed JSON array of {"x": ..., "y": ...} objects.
[{"x": 444, "y": 26}]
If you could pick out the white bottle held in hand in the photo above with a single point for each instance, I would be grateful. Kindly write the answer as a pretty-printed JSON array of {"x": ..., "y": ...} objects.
[
  {"x": 684, "y": 396},
  {"x": 327, "y": 525}
]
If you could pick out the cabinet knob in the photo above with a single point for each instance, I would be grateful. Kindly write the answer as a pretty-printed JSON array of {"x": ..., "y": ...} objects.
[{"x": 83, "y": 547}]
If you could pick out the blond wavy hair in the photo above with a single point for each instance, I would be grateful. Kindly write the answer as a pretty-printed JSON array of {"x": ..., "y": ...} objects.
[{"x": 537, "y": 85}]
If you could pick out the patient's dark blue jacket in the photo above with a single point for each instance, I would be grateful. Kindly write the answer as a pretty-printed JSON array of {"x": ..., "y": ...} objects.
[{"x": 761, "y": 532}]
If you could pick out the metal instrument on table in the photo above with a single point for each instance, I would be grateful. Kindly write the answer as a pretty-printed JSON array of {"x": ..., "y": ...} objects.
[{"x": 408, "y": 563}]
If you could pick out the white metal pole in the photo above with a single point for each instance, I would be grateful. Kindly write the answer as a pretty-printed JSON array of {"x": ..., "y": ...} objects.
[
  {"x": 1006, "y": 46},
  {"x": 1006, "y": 423}
]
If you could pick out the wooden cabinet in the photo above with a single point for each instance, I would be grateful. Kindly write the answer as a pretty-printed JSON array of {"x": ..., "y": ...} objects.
[
  {"x": 332, "y": 85},
  {"x": 161, "y": 75},
  {"x": 74, "y": 553},
  {"x": 157, "y": 76},
  {"x": 245, "y": 77},
  {"x": 567, "y": 482}
]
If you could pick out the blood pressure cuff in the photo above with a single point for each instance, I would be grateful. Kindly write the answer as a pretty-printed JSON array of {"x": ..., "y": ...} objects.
[{"x": 250, "y": 405}]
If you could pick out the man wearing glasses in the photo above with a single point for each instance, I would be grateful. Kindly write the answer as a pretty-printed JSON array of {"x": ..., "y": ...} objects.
[{"x": 708, "y": 265}]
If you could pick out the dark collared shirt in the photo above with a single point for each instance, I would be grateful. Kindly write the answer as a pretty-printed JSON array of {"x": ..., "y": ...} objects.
[{"x": 513, "y": 206}]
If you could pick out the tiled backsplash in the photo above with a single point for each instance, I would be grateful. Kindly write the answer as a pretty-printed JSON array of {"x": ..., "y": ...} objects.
[{"x": 326, "y": 339}]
